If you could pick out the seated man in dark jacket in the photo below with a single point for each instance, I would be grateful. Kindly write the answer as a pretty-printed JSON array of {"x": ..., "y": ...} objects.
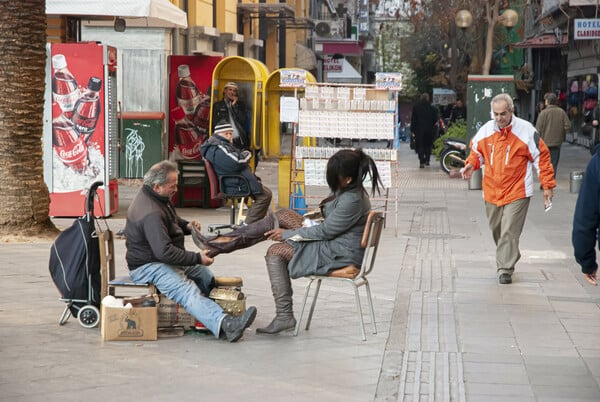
[
  {"x": 156, "y": 254},
  {"x": 227, "y": 159}
]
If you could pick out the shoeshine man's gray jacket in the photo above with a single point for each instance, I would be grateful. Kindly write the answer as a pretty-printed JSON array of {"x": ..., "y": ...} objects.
[{"x": 154, "y": 232}]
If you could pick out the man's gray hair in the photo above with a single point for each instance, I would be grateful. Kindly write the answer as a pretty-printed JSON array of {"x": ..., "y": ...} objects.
[
  {"x": 551, "y": 98},
  {"x": 159, "y": 173},
  {"x": 503, "y": 97}
]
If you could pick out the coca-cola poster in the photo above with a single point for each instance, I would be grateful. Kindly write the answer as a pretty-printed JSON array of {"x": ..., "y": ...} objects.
[
  {"x": 190, "y": 83},
  {"x": 77, "y": 119}
]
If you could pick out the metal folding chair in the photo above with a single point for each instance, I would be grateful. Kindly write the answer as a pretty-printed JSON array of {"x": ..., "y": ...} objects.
[{"x": 352, "y": 275}]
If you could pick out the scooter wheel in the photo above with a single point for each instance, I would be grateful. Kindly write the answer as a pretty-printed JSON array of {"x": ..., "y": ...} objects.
[
  {"x": 88, "y": 316},
  {"x": 450, "y": 159}
]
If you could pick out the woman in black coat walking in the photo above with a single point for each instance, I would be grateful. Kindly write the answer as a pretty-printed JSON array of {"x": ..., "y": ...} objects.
[{"x": 423, "y": 125}]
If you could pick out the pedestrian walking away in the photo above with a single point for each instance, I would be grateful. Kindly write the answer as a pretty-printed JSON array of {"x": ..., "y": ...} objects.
[
  {"x": 423, "y": 124},
  {"x": 510, "y": 148},
  {"x": 553, "y": 124}
]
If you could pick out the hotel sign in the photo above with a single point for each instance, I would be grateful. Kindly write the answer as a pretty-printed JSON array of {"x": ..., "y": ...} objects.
[{"x": 586, "y": 28}]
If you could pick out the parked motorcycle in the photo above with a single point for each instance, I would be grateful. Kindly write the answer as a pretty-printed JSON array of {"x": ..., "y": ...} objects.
[{"x": 454, "y": 154}]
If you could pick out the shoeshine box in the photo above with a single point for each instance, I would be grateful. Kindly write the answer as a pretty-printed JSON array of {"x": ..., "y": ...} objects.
[
  {"x": 129, "y": 324},
  {"x": 171, "y": 314}
]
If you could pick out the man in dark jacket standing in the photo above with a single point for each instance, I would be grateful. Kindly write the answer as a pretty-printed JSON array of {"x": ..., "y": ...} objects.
[
  {"x": 586, "y": 220},
  {"x": 552, "y": 125},
  {"x": 234, "y": 111},
  {"x": 423, "y": 125},
  {"x": 156, "y": 254},
  {"x": 227, "y": 159}
]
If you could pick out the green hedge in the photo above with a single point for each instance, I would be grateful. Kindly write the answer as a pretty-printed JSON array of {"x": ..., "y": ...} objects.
[{"x": 456, "y": 130}]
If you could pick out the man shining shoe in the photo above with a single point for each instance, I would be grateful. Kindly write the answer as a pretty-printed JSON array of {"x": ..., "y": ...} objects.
[{"x": 156, "y": 254}]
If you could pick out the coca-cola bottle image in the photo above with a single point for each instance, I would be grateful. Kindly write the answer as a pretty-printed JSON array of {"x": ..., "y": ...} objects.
[
  {"x": 69, "y": 145},
  {"x": 187, "y": 137},
  {"x": 64, "y": 85},
  {"x": 187, "y": 94},
  {"x": 87, "y": 109},
  {"x": 202, "y": 115}
]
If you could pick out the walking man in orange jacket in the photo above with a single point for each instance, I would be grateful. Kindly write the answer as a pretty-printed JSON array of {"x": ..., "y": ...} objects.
[{"x": 509, "y": 148}]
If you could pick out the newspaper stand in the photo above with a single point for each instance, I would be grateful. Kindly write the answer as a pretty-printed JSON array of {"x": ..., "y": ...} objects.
[{"x": 338, "y": 116}]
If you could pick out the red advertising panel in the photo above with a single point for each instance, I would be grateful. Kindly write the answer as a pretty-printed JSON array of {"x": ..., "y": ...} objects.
[
  {"x": 78, "y": 126},
  {"x": 189, "y": 103},
  {"x": 190, "y": 83}
]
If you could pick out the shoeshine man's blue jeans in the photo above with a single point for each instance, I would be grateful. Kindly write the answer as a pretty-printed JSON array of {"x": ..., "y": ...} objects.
[{"x": 182, "y": 285}]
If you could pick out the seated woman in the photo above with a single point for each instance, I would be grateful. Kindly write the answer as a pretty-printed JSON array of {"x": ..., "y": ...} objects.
[{"x": 320, "y": 249}]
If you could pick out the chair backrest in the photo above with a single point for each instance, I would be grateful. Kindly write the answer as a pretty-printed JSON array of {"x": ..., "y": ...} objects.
[
  {"x": 370, "y": 241},
  {"x": 107, "y": 260},
  {"x": 213, "y": 180}
]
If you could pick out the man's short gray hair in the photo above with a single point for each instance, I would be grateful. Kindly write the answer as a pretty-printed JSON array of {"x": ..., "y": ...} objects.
[
  {"x": 551, "y": 98},
  {"x": 503, "y": 97},
  {"x": 159, "y": 173}
]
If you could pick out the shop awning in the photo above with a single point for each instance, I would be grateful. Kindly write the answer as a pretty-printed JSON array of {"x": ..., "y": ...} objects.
[
  {"x": 347, "y": 75},
  {"x": 342, "y": 46},
  {"x": 145, "y": 13},
  {"x": 543, "y": 41}
]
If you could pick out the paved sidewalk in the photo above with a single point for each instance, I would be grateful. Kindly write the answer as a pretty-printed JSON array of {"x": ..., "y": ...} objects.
[{"x": 446, "y": 330}]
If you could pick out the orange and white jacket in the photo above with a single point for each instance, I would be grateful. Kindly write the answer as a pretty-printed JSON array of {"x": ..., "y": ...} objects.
[{"x": 509, "y": 156}]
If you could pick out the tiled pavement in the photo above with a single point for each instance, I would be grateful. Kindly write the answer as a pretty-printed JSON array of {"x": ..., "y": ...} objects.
[{"x": 446, "y": 330}]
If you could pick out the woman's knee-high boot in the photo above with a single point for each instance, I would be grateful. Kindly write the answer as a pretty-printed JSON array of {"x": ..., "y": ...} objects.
[
  {"x": 242, "y": 237},
  {"x": 281, "y": 286}
]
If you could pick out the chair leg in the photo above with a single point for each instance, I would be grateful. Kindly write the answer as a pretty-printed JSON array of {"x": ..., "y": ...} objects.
[
  {"x": 370, "y": 301},
  {"x": 360, "y": 316},
  {"x": 232, "y": 216},
  {"x": 313, "y": 304},
  {"x": 303, "y": 306},
  {"x": 240, "y": 215}
]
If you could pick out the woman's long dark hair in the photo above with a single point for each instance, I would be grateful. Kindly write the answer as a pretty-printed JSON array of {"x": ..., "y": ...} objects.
[{"x": 356, "y": 164}]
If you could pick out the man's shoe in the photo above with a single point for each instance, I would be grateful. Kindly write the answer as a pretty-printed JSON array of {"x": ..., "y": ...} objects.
[
  {"x": 233, "y": 327},
  {"x": 504, "y": 279},
  {"x": 422, "y": 166}
]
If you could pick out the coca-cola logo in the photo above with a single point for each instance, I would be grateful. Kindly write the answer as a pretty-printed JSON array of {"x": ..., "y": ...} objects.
[
  {"x": 73, "y": 153},
  {"x": 190, "y": 151}
]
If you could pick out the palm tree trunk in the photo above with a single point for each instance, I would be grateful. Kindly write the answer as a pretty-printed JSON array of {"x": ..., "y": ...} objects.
[{"x": 24, "y": 198}]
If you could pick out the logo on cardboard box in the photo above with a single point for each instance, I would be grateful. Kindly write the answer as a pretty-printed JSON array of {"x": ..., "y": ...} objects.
[{"x": 129, "y": 323}]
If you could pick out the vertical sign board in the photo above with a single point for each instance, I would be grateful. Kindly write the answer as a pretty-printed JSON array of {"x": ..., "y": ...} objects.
[{"x": 480, "y": 91}]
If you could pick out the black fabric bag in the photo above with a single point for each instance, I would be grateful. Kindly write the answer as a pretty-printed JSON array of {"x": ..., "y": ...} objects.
[
  {"x": 75, "y": 263},
  {"x": 75, "y": 259}
]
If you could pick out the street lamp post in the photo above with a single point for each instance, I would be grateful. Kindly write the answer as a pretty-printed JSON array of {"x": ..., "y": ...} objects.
[{"x": 509, "y": 18}]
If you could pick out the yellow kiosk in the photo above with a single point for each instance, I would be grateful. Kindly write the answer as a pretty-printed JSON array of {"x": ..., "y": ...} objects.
[
  {"x": 271, "y": 120},
  {"x": 274, "y": 144},
  {"x": 250, "y": 76}
]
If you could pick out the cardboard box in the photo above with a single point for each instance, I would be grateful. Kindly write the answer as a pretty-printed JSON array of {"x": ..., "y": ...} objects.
[
  {"x": 171, "y": 314},
  {"x": 129, "y": 324}
]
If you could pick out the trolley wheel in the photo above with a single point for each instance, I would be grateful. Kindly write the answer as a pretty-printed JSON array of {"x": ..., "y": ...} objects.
[{"x": 88, "y": 316}]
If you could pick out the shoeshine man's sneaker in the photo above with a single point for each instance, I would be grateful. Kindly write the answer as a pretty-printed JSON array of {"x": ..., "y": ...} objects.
[{"x": 504, "y": 279}]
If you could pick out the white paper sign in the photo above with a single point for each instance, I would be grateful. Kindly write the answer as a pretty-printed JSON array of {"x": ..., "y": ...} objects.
[{"x": 288, "y": 109}]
